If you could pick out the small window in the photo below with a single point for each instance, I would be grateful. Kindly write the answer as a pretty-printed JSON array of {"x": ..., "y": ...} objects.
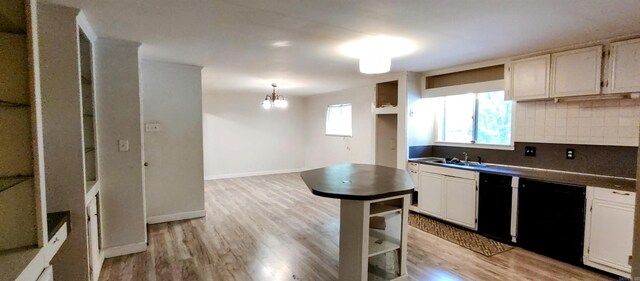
[
  {"x": 482, "y": 118},
  {"x": 339, "y": 120}
]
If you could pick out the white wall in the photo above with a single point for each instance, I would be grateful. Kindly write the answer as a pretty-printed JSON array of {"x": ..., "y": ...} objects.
[
  {"x": 172, "y": 97},
  {"x": 321, "y": 150},
  {"x": 241, "y": 138},
  {"x": 612, "y": 122},
  {"x": 118, "y": 115}
]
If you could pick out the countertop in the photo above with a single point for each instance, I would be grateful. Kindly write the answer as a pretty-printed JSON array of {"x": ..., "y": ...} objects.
[
  {"x": 357, "y": 181},
  {"x": 618, "y": 183}
]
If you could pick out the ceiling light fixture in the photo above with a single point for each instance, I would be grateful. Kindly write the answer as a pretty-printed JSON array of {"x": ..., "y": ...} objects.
[
  {"x": 282, "y": 43},
  {"x": 375, "y": 52},
  {"x": 375, "y": 64},
  {"x": 274, "y": 100}
]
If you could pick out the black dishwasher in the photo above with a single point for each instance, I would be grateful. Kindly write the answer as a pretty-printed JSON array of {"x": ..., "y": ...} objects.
[
  {"x": 551, "y": 219},
  {"x": 494, "y": 206}
]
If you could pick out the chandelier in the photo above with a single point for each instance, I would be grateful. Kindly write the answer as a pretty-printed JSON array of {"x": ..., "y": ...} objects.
[{"x": 273, "y": 100}]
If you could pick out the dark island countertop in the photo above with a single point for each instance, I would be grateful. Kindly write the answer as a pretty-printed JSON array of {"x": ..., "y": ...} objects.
[
  {"x": 357, "y": 181},
  {"x": 56, "y": 220},
  {"x": 609, "y": 182}
]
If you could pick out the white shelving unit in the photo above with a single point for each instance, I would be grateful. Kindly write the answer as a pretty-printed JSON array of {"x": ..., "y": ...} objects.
[
  {"x": 88, "y": 111},
  {"x": 23, "y": 218},
  {"x": 20, "y": 216},
  {"x": 385, "y": 247}
]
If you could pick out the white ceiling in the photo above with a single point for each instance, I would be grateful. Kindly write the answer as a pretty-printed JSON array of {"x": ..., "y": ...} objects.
[{"x": 233, "y": 39}]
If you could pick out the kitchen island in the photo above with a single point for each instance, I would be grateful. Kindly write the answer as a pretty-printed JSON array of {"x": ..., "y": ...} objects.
[{"x": 374, "y": 202}]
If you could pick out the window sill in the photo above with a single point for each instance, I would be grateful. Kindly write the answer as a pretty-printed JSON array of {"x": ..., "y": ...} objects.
[
  {"x": 477, "y": 145},
  {"x": 332, "y": 135}
]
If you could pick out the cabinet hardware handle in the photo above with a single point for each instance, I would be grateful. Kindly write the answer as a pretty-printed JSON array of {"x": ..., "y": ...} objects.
[{"x": 621, "y": 193}]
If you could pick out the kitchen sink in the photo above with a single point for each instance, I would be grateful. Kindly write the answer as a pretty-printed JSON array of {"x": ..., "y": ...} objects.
[
  {"x": 445, "y": 161},
  {"x": 431, "y": 160},
  {"x": 470, "y": 163}
]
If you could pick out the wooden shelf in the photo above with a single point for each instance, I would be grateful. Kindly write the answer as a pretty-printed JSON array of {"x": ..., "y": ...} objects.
[
  {"x": 384, "y": 267},
  {"x": 387, "y": 93},
  {"x": 379, "y": 209},
  {"x": 9, "y": 182},
  {"x": 12, "y": 104},
  {"x": 380, "y": 242},
  {"x": 88, "y": 115},
  {"x": 89, "y": 149},
  {"x": 386, "y": 110},
  {"x": 13, "y": 262}
]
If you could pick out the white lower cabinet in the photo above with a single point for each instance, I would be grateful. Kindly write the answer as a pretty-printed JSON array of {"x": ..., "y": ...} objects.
[
  {"x": 431, "y": 194},
  {"x": 460, "y": 200},
  {"x": 96, "y": 256},
  {"x": 609, "y": 230},
  {"x": 415, "y": 178},
  {"x": 451, "y": 198}
]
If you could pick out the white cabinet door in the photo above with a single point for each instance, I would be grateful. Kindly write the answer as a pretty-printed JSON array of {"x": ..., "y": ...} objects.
[
  {"x": 431, "y": 194},
  {"x": 460, "y": 201},
  {"x": 611, "y": 235},
  {"x": 529, "y": 78},
  {"x": 624, "y": 74},
  {"x": 576, "y": 72},
  {"x": 95, "y": 255},
  {"x": 415, "y": 178}
]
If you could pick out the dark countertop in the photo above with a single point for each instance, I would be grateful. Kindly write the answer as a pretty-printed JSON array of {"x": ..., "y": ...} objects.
[
  {"x": 357, "y": 181},
  {"x": 546, "y": 175},
  {"x": 56, "y": 220}
]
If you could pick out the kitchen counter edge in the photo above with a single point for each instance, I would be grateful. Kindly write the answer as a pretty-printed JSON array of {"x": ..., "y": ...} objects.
[{"x": 556, "y": 176}]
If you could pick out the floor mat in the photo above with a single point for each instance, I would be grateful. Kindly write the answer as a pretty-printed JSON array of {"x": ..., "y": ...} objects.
[{"x": 464, "y": 238}]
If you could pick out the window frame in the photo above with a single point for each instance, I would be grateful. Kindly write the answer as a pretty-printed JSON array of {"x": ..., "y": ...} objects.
[
  {"x": 474, "y": 134},
  {"x": 327, "y": 115}
]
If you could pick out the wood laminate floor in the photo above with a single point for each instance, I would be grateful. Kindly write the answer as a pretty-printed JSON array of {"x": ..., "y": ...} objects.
[{"x": 273, "y": 228}]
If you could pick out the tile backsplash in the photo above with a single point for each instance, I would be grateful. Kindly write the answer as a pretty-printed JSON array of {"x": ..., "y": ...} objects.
[{"x": 607, "y": 122}]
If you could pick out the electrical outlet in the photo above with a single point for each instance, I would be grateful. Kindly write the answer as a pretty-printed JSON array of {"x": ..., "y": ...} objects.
[
  {"x": 530, "y": 151},
  {"x": 152, "y": 127},
  {"x": 123, "y": 145},
  {"x": 571, "y": 153}
]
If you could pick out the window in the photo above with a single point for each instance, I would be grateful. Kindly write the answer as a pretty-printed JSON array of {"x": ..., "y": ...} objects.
[
  {"x": 482, "y": 118},
  {"x": 339, "y": 120}
]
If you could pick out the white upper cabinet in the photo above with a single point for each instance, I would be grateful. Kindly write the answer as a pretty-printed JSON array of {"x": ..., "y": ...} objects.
[
  {"x": 624, "y": 62},
  {"x": 576, "y": 72},
  {"x": 529, "y": 78}
]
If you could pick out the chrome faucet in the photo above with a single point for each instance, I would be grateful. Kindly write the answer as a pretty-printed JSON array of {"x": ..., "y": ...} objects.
[{"x": 466, "y": 159}]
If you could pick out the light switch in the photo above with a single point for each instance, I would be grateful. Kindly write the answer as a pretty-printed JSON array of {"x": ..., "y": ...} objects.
[
  {"x": 152, "y": 127},
  {"x": 123, "y": 145}
]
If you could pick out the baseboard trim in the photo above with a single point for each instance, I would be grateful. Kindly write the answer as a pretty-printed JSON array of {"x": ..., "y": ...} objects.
[
  {"x": 251, "y": 174},
  {"x": 176, "y": 217},
  {"x": 125, "y": 250}
]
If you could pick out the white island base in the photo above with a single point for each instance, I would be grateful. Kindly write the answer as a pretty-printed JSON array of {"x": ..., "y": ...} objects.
[{"x": 373, "y": 239}]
